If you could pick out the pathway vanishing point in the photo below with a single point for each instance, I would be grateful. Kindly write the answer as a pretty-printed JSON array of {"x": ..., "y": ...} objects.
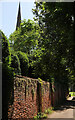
[{"x": 65, "y": 111}]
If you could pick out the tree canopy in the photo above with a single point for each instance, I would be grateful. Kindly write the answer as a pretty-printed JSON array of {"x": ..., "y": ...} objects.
[
  {"x": 26, "y": 37},
  {"x": 48, "y": 42},
  {"x": 56, "y": 21}
]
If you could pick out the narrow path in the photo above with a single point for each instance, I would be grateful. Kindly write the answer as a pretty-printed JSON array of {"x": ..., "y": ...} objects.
[{"x": 65, "y": 111}]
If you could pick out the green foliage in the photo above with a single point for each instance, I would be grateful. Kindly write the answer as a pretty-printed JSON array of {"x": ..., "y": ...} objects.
[
  {"x": 24, "y": 62},
  {"x": 56, "y": 24},
  {"x": 40, "y": 81},
  {"x": 25, "y": 38},
  {"x": 6, "y": 55},
  {"x": 7, "y": 87},
  {"x": 48, "y": 111},
  {"x": 40, "y": 116},
  {"x": 72, "y": 93},
  {"x": 15, "y": 63},
  {"x": 7, "y": 71},
  {"x": 35, "y": 63},
  {"x": 48, "y": 42},
  {"x": 7, "y": 74}
]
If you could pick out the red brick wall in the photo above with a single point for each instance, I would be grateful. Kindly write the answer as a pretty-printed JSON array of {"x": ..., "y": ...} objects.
[
  {"x": 26, "y": 100},
  {"x": 25, "y": 104},
  {"x": 46, "y": 99},
  {"x": 32, "y": 96}
]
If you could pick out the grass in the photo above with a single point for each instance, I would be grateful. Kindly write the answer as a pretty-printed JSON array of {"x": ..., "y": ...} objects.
[{"x": 72, "y": 93}]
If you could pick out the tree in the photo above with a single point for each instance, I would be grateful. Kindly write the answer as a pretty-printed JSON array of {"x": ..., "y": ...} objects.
[
  {"x": 6, "y": 54},
  {"x": 24, "y": 62},
  {"x": 15, "y": 63},
  {"x": 56, "y": 21},
  {"x": 7, "y": 75},
  {"x": 25, "y": 38},
  {"x": 27, "y": 41}
]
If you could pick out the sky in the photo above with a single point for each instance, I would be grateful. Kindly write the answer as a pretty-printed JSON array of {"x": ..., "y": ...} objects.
[{"x": 9, "y": 11}]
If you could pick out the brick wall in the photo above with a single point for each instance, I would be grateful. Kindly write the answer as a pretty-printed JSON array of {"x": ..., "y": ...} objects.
[
  {"x": 30, "y": 97},
  {"x": 46, "y": 97}
]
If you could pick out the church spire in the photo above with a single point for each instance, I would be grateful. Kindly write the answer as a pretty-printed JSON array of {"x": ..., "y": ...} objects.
[{"x": 18, "y": 17}]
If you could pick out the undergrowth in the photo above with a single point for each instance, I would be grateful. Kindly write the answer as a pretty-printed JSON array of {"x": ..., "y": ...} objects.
[{"x": 41, "y": 115}]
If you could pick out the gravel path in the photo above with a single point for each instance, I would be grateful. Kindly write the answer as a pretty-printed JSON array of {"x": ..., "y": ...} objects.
[{"x": 65, "y": 111}]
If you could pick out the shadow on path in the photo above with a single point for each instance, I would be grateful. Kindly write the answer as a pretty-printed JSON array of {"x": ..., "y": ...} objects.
[
  {"x": 66, "y": 111},
  {"x": 68, "y": 104}
]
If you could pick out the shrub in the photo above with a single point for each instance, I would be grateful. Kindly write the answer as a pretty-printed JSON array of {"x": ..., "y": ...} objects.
[
  {"x": 15, "y": 63},
  {"x": 6, "y": 54},
  {"x": 7, "y": 75},
  {"x": 24, "y": 62},
  {"x": 7, "y": 88}
]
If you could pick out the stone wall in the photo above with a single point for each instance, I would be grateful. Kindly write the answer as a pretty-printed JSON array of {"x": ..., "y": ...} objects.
[{"x": 30, "y": 97}]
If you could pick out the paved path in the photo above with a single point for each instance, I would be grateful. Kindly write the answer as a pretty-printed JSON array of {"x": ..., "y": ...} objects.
[{"x": 65, "y": 111}]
